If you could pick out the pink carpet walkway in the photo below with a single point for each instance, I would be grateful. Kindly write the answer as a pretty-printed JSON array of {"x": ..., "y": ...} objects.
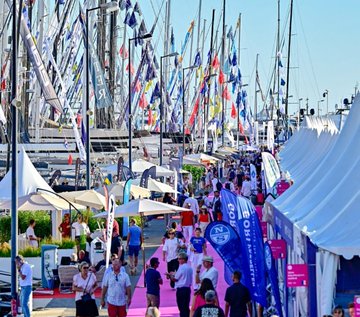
[{"x": 168, "y": 307}]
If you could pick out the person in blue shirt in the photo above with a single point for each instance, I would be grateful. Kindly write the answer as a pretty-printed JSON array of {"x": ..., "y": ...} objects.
[
  {"x": 153, "y": 281},
  {"x": 198, "y": 250},
  {"x": 133, "y": 245}
]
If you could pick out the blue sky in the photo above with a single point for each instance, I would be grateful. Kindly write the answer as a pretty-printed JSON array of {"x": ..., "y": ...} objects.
[{"x": 325, "y": 50}]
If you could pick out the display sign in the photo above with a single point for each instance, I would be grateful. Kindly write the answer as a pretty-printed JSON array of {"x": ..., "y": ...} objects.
[
  {"x": 284, "y": 226},
  {"x": 297, "y": 275},
  {"x": 259, "y": 212},
  {"x": 278, "y": 248},
  {"x": 281, "y": 187},
  {"x": 357, "y": 305},
  {"x": 264, "y": 229}
]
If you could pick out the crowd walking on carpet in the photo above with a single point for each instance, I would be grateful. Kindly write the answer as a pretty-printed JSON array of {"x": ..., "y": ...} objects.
[{"x": 190, "y": 269}]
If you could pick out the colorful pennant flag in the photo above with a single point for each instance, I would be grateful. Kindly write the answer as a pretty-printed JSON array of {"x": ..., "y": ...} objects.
[
  {"x": 233, "y": 111},
  {"x": 215, "y": 64},
  {"x": 221, "y": 77},
  {"x": 226, "y": 94}
]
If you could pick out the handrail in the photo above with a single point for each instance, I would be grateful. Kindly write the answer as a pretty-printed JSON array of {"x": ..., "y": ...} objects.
[{"x": 56, "y": 194}]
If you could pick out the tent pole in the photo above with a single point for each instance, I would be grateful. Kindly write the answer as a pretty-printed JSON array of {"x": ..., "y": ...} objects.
[{"x": 143, "y": 245}]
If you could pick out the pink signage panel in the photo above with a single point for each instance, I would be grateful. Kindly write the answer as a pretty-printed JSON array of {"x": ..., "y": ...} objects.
[
  {"x": 297, "y": 275},
  {"x": 357, "y": 305},
  {"x": 264, "y": 229},
  {"x": 259, "y": 212},
  {"x": 278, "y": 248},
  {"x": 282, "y": 187}
]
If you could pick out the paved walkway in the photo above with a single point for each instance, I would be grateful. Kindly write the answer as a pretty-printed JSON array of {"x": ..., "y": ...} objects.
[{"x": 66, "y": 307}]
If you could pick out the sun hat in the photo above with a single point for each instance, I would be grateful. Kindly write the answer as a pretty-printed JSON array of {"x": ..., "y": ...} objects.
[{"x": 208, "y": 258}]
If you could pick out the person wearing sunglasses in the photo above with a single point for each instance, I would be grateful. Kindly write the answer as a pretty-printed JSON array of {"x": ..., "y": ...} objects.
[
  {"x": 171, "y": 248},
  {"x": 116, "y": 285},
  {"x": 84, "y": 283}
]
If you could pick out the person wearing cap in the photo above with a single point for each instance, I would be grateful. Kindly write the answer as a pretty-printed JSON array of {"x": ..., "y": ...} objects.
[
  {"x": 170, "y": 253},
  {"x": 183, "y": 279},
  {"x": 25, "y": 274},
  {"x": 209, "y": 309},
  {"x": 153, "y": 281},
  {"x": 193, "y": 204},
  {"x": 210, "y": 271},
  {"x": 237, "y": 298}
]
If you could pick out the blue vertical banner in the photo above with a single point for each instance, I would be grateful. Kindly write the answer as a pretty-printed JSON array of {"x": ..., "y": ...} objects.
[
  {"x": 240, "y": 213},
  {"x": 126, "y": 196},
  {"x": 226, "y": 242},
  {"x": 273, "y": 276}
]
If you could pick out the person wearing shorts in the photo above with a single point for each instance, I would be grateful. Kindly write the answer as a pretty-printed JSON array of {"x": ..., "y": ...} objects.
[{"x": 133, "y": 245}]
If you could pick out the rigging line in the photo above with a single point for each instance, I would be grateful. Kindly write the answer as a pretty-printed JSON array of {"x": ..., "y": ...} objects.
[
  {"x": 6, "y": 23},
  {"x": 308, "y": 51},
  {"x": 158, "y": 14}
]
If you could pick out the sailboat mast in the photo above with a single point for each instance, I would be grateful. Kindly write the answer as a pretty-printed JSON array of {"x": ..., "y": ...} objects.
[
  {"x": 208, "y": 82},
  {"x": 40, "y": 18},
  {"x": 238, "y": 110},
  {"x": 222, "y": 65},
  {"x": 123, "y": 89},
  {"x": 166, "y": 52},
  {"x": 256, "y": 86},
  {"x": 112, "y": 63},
  {"x": 288, "y": 72},
  {"x": 200, "y": 130},
  {"x": 277, "y": 59}
]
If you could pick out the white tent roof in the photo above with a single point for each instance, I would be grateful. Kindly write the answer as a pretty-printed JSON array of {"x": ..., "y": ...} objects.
[
  {"x": 307, "y": 152},
  {"x": 139, "y": 166},
  {"x": 117, "y": 189},
  {"x": 198, "y": 158},
  {"x": 28, "y": 180},
  {"x": 145, "y": 207},
  {"x": 325, "y": 204}
]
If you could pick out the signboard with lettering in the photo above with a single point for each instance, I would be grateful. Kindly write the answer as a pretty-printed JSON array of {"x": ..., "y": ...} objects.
[
  {"x": 278, "y": 248},
  {"x": 357, "y": 305},
  {"x": 284, "y": 226},
  {"x": 297, "y": 275}
]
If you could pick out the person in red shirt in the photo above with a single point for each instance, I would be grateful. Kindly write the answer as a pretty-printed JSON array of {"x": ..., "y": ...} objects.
[
  {"x": 187, "y": 223},
  {"x": 65, "y": 227}
]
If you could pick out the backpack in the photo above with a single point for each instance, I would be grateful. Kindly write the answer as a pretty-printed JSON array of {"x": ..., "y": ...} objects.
[{"x": 219, "y": 186}]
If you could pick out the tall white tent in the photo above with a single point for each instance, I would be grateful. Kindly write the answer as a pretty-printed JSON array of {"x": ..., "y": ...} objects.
[
  {"x": 28, "y": 181},
  {"x": 325, "y": 206}
]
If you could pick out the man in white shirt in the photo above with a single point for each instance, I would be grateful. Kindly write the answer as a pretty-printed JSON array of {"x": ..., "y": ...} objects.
[
  {"x": 117, "y": 286},
  {"x": 194, "y": 205},
  {"x": 30, "y": 234},
  {"x": 171, "y": 249},
  {"x": 25, "y": 274},
  {"x": 210, "y": 271},
  {"x": 183, "y": 279},
  {"x": 246, "y": 188},
  {"x": 214, "y": 181}
]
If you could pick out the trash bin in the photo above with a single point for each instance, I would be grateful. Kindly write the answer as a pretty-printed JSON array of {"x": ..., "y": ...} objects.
[{"x": 51, "y": 283}]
